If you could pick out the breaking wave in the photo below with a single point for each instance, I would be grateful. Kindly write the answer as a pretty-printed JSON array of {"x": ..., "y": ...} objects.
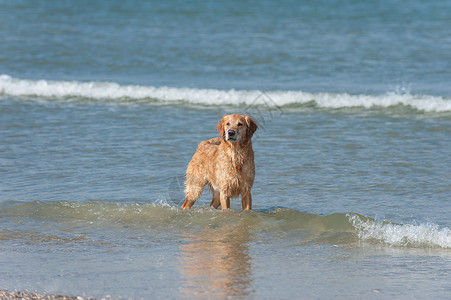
[
  {"x": 280, "y": 223},
  {"x": 96, "y": 90},
  {"x": 413, "y": 235}
]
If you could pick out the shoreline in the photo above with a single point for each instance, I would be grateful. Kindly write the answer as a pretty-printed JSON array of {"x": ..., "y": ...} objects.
[{"x": 5, "y": 295}]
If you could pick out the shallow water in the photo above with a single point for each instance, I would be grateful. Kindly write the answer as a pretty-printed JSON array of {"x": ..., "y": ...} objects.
[
  {"x": 137, "y": 250},
  {"x": 352, "y": 190},
  {"x": 342, "y": 198}
]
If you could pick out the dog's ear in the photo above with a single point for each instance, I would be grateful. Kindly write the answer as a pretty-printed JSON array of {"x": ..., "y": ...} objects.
[
  {"x": 251, "y": 126},
  {"x": 221, "y": 128}
]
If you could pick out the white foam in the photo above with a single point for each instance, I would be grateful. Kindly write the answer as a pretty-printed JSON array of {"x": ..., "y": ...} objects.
[
  {"x": 421, "y": 235},
  {"x": 109, "y": 90}
]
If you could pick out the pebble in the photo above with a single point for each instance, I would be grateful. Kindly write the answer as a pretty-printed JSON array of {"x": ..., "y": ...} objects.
[{"x": 5, "y": 295}]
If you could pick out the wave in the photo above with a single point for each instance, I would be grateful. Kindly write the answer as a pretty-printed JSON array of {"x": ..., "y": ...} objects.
[
  {"x": 414, "y": 235},
  {"x": 278, "y": 222},
  {"x": 96, "y": 90}
]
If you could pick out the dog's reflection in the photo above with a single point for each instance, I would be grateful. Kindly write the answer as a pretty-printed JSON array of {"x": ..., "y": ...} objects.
[{"x": 215, "y": 263}]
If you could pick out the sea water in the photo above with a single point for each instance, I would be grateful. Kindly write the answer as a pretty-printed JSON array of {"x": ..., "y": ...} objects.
[{"x": 103, "y": 103}]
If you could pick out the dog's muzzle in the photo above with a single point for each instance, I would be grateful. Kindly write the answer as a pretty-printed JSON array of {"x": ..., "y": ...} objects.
[{"x": 231, "y": 135}]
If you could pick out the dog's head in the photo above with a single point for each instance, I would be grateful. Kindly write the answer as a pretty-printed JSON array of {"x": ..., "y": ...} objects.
[{"x": 237, "y": 128}]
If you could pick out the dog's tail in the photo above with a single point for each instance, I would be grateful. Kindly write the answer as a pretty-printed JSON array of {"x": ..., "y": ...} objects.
[{"x": 213, "y": 141}]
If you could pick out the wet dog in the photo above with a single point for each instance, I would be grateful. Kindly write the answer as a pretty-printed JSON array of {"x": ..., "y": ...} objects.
[{"x": 225, "y": 163}]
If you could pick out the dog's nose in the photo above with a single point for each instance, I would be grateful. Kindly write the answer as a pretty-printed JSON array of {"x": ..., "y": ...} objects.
[{"x": 231, "y": 132}]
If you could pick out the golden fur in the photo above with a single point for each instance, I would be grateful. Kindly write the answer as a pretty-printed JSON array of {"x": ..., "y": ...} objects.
[{"x": 225, "y": 163}]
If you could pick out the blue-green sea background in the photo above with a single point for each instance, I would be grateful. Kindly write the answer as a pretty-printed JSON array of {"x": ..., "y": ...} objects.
[{"x": 102, "y": 105}]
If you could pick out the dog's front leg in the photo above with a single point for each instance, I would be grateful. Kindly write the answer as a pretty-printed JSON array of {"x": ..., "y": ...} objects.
[{"x": 246, "y": 201}]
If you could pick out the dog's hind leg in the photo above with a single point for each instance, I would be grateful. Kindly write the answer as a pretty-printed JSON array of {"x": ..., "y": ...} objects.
[
  {"x": 193, "y": 190},
  {"x": 215, "y": 201},
  {"x": 225, "y": 201}
]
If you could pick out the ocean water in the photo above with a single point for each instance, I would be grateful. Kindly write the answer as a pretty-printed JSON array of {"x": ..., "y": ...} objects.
[{"x": 102, "y": 105}]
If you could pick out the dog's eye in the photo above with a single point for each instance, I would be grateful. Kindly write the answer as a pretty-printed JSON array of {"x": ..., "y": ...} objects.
[
  {"x": 228, "y": 124},
  {"x": 239, "y": 124}
]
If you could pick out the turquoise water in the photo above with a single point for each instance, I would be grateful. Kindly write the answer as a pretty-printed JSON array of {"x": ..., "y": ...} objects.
[
  {"x": 102, "y": 105},
  {"x": 346, "y": 46}
]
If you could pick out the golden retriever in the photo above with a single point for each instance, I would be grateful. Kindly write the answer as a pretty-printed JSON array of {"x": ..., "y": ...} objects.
[{"x": 225, "y": 163}]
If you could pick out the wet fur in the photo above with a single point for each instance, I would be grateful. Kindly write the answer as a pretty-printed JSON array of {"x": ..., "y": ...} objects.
[{"x": 225, "y": 164}]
